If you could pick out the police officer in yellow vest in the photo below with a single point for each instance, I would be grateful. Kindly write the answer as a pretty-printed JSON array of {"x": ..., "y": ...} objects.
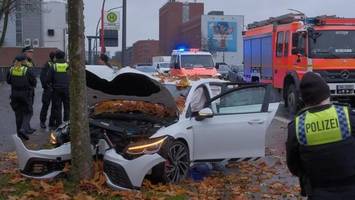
[
  {"x": 321, "y": 146},
  {"x": 47, "y": 92},
  {"x": 28, "y": 53},
  {"x": 59, "y": 79},
  {"x": 22, "y": 81}
]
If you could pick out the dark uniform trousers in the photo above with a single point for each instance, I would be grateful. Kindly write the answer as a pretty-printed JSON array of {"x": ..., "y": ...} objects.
[
  {"x": 60, "y": 97},
  {"x": 46, "y": 101},
  {"x": 21, "y": 103}
]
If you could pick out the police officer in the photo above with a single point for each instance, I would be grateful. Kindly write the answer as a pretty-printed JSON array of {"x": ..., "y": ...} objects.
[
  {"x": 320, "y": 144},
  {"x": 22, "y": 80},
  {"x": 59, "y": 79},
  {"x": 47, "y": 92},
  {"x": 28, "y": 53}
]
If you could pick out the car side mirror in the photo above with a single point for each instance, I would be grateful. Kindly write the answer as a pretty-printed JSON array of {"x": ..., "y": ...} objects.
[
  {"x": 204, "y": 114},
  {"x": 176, "y": 65}
]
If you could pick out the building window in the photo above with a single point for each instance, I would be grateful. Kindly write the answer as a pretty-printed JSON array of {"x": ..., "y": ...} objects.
[
  {"x": 50, "y": 32},
  {"x": 279, "y": 44}
]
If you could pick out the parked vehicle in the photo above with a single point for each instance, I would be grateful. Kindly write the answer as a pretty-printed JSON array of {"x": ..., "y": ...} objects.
[
  {"x": 192, "y": 62},
  {"x": 146, "y": 68},
  {"x": 152, "y": 129},
  {"x": 223, "y": 70},
  {"x": 280, "y": 50},
  {"x": 162, "y": 63}
]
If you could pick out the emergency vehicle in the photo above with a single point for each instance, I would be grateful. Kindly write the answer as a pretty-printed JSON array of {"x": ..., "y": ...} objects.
[
  {"x": 281, "y": 50},
  {"x": 192, "y": 62}
]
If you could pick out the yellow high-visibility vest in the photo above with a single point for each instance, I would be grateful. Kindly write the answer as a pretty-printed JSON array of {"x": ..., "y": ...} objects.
[{"x": 323, "y": 127}]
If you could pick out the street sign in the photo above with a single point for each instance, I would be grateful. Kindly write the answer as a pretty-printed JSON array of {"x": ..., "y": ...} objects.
[
  {"x": 110, "y": 37},
  {"x": 112, "y": 20}
]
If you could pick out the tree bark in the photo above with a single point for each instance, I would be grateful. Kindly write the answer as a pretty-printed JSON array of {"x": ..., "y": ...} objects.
[
  {"x": 79, "y": 128},
  {"x": 6, "y": 13}
]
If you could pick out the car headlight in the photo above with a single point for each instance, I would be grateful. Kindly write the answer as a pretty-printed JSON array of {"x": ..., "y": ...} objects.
[
  {"x": 53, "y": 138},
  {"x": 150, "y": 146}
]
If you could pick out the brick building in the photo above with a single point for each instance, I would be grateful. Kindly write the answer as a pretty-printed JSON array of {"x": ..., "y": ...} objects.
[
  {"x": 177, "y": 22},
  {"x": 144, "y": 50}
]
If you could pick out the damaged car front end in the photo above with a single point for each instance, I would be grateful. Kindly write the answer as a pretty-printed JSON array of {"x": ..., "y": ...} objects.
[{"x": 126, "y": 108}]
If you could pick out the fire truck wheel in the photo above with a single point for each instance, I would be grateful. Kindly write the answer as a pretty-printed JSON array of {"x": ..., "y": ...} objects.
[{"x": 292, "y": 98}]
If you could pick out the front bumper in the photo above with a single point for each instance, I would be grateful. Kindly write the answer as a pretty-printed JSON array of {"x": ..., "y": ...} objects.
[
  {"x": 128, "y": 174},
  {"x": 41, "y": 164},
  {"x": 334, "y": 91}
]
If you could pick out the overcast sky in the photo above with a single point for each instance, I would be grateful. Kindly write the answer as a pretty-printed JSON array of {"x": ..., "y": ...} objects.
[{"x": 143, "y": 15}]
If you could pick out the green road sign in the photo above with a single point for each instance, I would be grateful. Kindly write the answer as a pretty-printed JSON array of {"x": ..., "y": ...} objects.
[{"x": 112, "y": 17}]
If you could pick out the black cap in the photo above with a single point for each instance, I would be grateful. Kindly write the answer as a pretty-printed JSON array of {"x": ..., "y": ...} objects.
[
  {"x": 314, "y": 89},
  {"x": 27, "y": 48},
  {"x": 52, "y": 55},
  {"x": 20, "y": 58},
  {"x": 59, "y": 54}
]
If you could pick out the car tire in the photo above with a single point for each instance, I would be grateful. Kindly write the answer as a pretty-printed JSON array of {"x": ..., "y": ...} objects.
[
  {"x": 176, "y": 166},
  {"x": 292, "y": 99}
]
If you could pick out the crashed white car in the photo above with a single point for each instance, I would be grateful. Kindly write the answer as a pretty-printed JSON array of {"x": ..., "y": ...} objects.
[{"x": 146, "y": 128}]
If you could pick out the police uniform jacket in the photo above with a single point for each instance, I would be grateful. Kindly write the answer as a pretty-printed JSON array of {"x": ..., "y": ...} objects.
[
  {"x": 45, "y": 74},
  {"x": 22, "y": 80},
  {"x": 59, "y": 75},
  {"x": 321, "y": 146}
]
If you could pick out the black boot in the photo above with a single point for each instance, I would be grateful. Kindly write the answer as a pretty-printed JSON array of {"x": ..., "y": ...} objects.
[
  {"x": 22, "y": 135},
  {"x": 43, "y": 125}
]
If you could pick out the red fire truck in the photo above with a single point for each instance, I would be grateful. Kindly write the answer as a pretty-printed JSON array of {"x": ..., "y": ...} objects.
[{"x": 280, "y": 50}]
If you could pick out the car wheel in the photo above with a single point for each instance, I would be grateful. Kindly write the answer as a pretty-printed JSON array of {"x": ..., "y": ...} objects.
[
  {"x": 292, "y": 99},
  {"x": 176, "y": 166}
]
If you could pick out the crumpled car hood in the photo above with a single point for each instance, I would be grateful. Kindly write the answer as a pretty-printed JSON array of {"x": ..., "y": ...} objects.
[{"x": 105, "y": 84}]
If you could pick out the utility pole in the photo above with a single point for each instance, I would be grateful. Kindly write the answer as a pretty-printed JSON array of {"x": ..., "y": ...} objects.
[{"x": 124, "y": 20}]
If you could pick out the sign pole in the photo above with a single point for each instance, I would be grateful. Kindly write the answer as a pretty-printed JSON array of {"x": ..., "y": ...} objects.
[{"x": 102, "y": 40}]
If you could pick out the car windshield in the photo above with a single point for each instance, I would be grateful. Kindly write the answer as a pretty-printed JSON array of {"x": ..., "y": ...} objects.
[
  {"x": 146, "y": 69},
  {"x": 177, "y": 92},
  {"x": 164, "y": 65},
  {"x": 194, "y": 61},
  {"x": 332, "y": 44}
]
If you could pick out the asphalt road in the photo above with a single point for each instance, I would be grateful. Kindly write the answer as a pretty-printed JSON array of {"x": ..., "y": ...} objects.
[{"x": 275, "y": 138}]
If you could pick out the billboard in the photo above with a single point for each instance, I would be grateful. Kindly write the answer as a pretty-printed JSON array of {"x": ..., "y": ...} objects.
[{"x": 222, "y": 36}]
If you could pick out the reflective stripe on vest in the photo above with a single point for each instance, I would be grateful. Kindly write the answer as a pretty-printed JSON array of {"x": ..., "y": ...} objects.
[
  {"x": 327, "y": 126},
  {"x": 61, "y": 67},
  {"x": 18, "y": 71}
]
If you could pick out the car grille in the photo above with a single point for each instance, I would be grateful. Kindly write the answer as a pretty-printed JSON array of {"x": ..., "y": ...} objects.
[
  {"x": 337, "y": 76},
  {"x": 117, "y": 174},
  {"x": 41, "y": 167}
]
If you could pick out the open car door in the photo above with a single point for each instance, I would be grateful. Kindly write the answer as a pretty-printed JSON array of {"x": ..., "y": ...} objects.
[{"x": 238, "y": 126}]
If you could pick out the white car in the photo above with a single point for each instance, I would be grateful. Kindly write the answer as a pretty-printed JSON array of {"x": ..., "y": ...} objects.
[{"x": 136, "y": 124}]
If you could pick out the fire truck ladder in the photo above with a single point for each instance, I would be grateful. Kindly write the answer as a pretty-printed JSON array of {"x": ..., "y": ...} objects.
[{"x": 283, "y": 19}]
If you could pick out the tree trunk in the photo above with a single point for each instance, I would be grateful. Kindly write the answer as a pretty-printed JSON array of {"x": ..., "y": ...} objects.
[
  {"x": 6, "y": 20},
  {"x": 79, "y": 128}
]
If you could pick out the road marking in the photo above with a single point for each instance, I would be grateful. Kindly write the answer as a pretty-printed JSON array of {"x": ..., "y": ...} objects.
[{"x": 282, "y": 119}]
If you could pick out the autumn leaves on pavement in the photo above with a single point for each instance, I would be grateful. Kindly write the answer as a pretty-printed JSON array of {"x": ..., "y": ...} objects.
[{"x": 244, "y": 180}]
